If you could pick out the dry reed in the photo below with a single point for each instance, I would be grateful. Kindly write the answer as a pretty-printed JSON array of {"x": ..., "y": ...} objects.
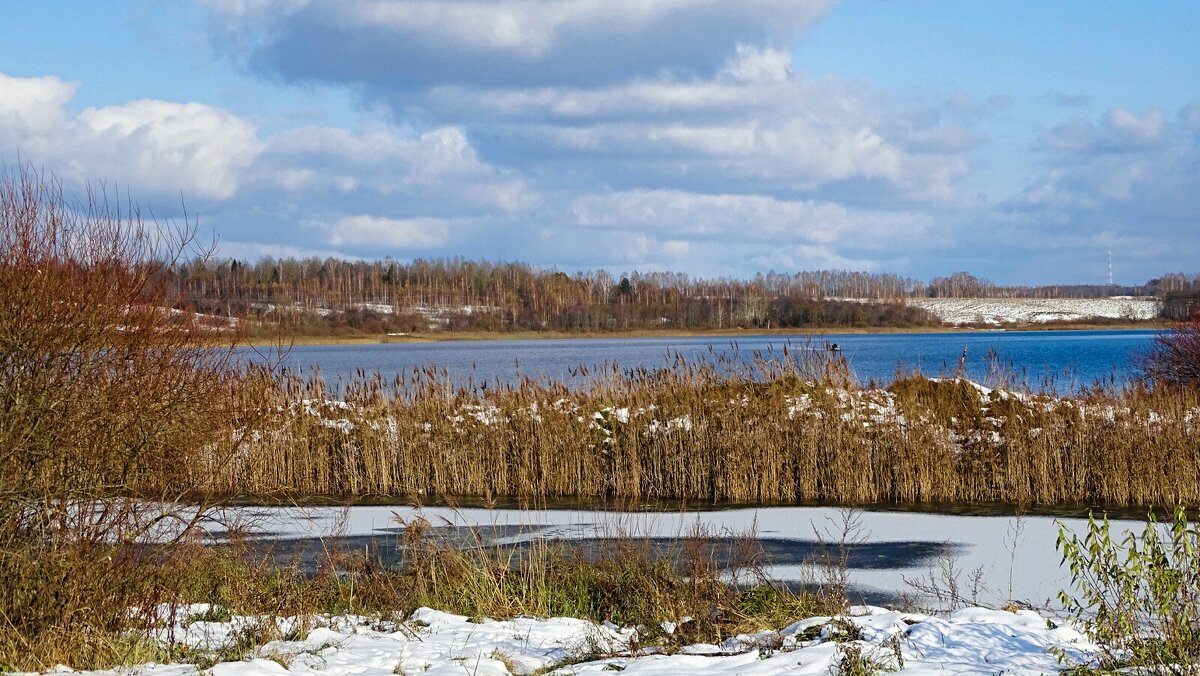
[{"x": 779, "y": 428}]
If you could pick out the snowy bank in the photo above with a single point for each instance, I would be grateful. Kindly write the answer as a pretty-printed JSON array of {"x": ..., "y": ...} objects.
[
  {"x": 1036, "y": 310},
  {"x": 974, "y": 640}
]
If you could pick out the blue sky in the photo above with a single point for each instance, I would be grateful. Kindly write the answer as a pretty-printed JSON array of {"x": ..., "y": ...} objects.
[{"x": 1017, "y": 140}]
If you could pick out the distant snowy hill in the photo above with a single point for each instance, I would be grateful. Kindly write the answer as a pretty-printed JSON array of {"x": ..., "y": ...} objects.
[{"x": 1036, "y": 310}]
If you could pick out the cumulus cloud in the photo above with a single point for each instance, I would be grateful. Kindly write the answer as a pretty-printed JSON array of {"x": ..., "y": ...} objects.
[
  {"x": 32, "y": 107},
  {"x": 796, "y": 152},
  {"x": 1120, "y": 131},
  {"x": 198, "y": 148},
  {"x": 418, "y": 43},
  {"x": 1131, "y": 130},
  {"x": 758, "y": 64},
  {"x": 810, "y": 257},
  {"x": 1074, "y": 135},
  {"x": 764, "y": 125},
  {"x": 657, "y": 134},
  {"x": 151, "y": 145},
  {"x": 1127, "y": 181},
  {"x": 735, "y": 218},
  {"x": 695, "y": 91},
  {"x": 380, "y": 187},
  {"x": 703, "y": 216},
  {"x": 437, "y": 164},
  {"x": 1094, "y": 164},
  {"x": 652, "y": 123}
]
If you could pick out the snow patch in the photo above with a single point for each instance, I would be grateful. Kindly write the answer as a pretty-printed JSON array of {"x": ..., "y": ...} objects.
[
  {"x": 1036, "y": 310},
  {"x": 975, "y": 640}
]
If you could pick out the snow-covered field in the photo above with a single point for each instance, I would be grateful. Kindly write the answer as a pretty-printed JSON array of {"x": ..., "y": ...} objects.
[
  {"x": 970, "y": 641},
  {"x": 1036, "y": 310}
]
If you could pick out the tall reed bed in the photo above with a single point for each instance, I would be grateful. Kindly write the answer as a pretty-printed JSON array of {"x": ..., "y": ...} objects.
[{"x": 782, "y": 427}]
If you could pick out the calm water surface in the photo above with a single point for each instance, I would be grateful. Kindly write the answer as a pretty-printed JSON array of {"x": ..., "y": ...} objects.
[{"x": 1059, "y": 360}]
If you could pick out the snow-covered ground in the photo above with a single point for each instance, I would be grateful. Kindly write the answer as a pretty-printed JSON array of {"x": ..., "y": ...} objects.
[
  {"x": 1036, "y": 310},
  {"x": 971, "y": 641}
]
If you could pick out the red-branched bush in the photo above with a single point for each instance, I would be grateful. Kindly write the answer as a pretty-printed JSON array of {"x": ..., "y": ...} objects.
[{"x": 1174, "y": 359}]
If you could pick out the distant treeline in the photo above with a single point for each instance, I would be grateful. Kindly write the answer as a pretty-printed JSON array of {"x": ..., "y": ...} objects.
[{"x": 462, "y": 294}]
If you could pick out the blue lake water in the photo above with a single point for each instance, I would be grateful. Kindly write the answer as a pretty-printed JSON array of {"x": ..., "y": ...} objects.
[{"x": 1058, "y": 360}]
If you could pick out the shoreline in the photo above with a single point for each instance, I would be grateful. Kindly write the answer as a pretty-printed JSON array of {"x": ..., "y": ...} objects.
[
  {"x": 467, "y": 336},
  {"x": 1067, "y": 510}
]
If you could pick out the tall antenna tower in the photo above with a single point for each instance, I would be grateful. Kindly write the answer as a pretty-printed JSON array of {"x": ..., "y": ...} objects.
[{"x": 1110, "y": 282}]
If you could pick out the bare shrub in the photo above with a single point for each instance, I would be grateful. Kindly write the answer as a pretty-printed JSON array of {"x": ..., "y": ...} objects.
[{"x": 107, "y": 393}]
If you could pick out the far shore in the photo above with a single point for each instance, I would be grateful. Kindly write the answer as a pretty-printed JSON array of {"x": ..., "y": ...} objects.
[{"x": 452, "y": 336}]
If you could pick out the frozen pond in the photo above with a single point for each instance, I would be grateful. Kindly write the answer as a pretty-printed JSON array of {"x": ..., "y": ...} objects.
[
  {"x": 1067, "y": 358},
  {"x": 1016, "y": 556}
]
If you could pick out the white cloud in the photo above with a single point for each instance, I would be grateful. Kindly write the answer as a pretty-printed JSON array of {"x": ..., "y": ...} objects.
[
  {"x": 426, "y": 181},
  {"x": 389, "y": 233},
  {"x": 698, "y": 216},
  {"x": 758, "y": 64},
  {"x": 32, "y": 107},
  {"x": 1073, "y": 135},
  {"x": 617, "y": 248},
  {"x": 765, "y": 124},
  {"x": 638, "y": 99},
  {"x": 676, "y": 248},
  {"x": 694, "y": 100},
  {"x": 193, "y": 148},
  {"x": 256, "y": 250},
  {"x": 686, "y": 216},
  {"x": 436, "y": 164},
  {"x": 1121, "y": 131},
  {"x": 1128, "y": 180},
  {"x": 149, "y": 146},
  {"x": 809, "y": 257},
  {"x": 1132, "y": 129},
  {"x": 796, "y": 153}
]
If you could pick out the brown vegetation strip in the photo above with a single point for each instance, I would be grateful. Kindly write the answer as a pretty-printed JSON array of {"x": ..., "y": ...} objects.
[{"x": 782, "y": 430}]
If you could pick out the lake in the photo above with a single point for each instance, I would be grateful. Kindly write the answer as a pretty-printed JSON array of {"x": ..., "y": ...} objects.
[{"x": 1057, "y": 360}]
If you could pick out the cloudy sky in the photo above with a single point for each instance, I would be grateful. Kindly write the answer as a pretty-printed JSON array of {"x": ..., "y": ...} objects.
[{"x": 1017, "y": 139}]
